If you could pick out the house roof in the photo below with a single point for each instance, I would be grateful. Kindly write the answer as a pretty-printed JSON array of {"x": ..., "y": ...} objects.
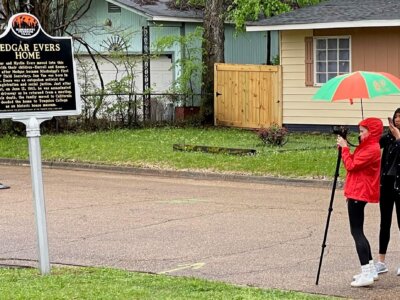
[
  {"x": 334, "y": 14},
  {"x": 160, "y": 11}
]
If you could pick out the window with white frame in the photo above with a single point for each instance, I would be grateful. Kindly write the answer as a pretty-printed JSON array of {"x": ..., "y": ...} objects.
[{"x": 332, "y": 57}]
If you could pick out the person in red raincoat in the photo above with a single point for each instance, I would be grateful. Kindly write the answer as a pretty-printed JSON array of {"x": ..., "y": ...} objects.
[{"x": 362, "y": 186}]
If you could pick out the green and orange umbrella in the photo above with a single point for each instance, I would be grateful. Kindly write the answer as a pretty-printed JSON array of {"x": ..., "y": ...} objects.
[{"x": 360, "y": 84}]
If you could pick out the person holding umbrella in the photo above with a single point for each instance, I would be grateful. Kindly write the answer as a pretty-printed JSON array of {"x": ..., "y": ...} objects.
[
  {"x": 390, "y": 187},
  {"x": 362, "y": 187}
]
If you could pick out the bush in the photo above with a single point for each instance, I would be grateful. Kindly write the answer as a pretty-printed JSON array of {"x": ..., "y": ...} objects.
[{"x": 274, "y": 135}]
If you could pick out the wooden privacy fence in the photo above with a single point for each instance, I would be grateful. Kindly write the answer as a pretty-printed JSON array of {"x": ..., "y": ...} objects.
[{"x": 247, "y": 96}]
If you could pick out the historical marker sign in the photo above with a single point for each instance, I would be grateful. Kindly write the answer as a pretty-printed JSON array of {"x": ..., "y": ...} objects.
[
  {"x": 37, "y": 82},
  {"x": 37, "y": 72}
]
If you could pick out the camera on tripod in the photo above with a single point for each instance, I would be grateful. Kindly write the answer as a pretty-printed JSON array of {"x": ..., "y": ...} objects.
[{"x": 340, "y": 130}]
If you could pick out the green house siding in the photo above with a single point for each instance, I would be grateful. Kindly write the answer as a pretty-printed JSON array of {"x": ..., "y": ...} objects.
[
  {"x": 99, "y": 28},
  {"x": 245, "y": 48},
  {"x": 248, "y": 47},
  {"x": 127, "y": 23}
]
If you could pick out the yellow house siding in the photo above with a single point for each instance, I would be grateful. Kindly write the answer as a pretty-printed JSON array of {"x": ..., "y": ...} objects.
[
  {"x": 296, "y": 96},
  {"x": 298, "y": 108}
]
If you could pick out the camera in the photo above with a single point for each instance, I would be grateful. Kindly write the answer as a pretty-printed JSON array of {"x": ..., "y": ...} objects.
[{"x": 340, "y": 130}]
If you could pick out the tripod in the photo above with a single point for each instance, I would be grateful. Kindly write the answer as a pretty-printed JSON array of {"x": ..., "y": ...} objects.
[{"x": 339, "y": 157}]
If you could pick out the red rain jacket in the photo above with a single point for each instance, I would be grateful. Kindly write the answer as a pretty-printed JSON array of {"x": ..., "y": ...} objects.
[{"x": 363, "y": 166}]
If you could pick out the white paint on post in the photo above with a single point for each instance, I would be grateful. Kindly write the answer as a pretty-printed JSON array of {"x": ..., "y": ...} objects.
[{"x": 33, "y": 134}]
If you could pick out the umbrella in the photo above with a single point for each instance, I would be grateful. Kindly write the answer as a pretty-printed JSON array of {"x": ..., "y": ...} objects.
[{"x": 360, "y": 84}]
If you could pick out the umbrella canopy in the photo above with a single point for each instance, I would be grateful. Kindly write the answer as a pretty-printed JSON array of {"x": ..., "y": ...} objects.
[{"x": 358, "y": 84}]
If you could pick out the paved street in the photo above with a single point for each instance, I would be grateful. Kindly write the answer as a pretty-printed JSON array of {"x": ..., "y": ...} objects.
[{"x": 258, "y": 234}]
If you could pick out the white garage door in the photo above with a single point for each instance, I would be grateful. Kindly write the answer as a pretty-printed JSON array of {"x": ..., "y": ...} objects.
[{"x": 161, "y": 72}]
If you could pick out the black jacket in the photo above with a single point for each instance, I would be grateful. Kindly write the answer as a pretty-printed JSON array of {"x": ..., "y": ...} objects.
[{"x": 390, "y": 164}]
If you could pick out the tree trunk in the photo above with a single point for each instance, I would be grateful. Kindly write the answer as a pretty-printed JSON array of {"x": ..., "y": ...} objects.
[{"x": 213, "y": 52}]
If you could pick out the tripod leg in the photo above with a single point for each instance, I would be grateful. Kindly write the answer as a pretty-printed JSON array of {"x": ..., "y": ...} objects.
[{"x": 329, "y": 211}]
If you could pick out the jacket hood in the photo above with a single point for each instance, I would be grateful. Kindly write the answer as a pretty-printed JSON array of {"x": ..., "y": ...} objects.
[{"x": 374, "y": 126}]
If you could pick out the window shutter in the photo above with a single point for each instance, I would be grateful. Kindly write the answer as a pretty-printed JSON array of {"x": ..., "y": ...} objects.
[{"x": 309, "y": 62}]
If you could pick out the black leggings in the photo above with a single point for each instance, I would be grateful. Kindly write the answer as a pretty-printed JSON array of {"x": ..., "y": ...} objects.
[
  {"x": 356, "y": 218},
  {"x": 389, "y": 197}
]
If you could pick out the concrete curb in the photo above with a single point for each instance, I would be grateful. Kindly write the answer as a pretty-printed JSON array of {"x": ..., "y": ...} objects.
[{"x": 178, "y": 174}]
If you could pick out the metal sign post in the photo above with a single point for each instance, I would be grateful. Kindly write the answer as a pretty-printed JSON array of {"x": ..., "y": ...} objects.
[
  {"x": 33, "y": 134},
  {"x": 37, "y": 82}
]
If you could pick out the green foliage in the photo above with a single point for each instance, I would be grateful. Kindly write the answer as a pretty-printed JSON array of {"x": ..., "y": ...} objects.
[
  {"x": 190, "y": 64},
  {"x": 303, "y": 3},
  {"x": 118, "y": 106},
  {"x": 121, "y": 104},
  {"x": 250, "y": 10},
  {"x": 90, "y": 104},
  {"x": 276, "y": 60},
  {"x": 241, "y": 11},
  {"x": 107, "y": 283}
]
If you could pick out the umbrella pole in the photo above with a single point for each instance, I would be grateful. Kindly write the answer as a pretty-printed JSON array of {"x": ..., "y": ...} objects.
[
  {"x": 362, "y": 110},
  {"x": 329, "y": 211}
]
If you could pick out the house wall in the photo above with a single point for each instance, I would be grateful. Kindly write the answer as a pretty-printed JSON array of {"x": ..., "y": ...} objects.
[
  {"x": 98, "y": 27},
  {"x": 373, "y": 49},
  {"x": 248, "y": 47},
  {"x": 92, "y": 27},
  {"x": 114, "y": 69}
]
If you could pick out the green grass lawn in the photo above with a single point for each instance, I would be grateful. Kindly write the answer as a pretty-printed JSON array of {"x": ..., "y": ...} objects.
[
  {"x": 305, "y": 155},
  {"x": 106, "y": 283}
]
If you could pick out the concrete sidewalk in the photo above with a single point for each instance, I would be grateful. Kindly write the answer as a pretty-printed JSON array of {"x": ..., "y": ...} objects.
[{"x": 250, "y": 233}]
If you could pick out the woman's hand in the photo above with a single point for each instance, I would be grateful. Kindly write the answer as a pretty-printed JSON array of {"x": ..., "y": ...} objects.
[
  {"x": 342, "y": 142},
  {"x": 393, "y": 129}
]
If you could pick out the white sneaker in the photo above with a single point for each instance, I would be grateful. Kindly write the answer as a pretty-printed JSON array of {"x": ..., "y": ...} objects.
[
  {"x": 373, "y": 270},
  {"x": 398, "y": 272},
  {"x": 375, "y": 277},
  {"x": 365, "y": 278},
  {"x": 362, "y": 280},
  {"x": 381, "y": 267}
]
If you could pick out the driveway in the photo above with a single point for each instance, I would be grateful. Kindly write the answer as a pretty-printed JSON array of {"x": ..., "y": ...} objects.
[{"x": 247, "y": 233}]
